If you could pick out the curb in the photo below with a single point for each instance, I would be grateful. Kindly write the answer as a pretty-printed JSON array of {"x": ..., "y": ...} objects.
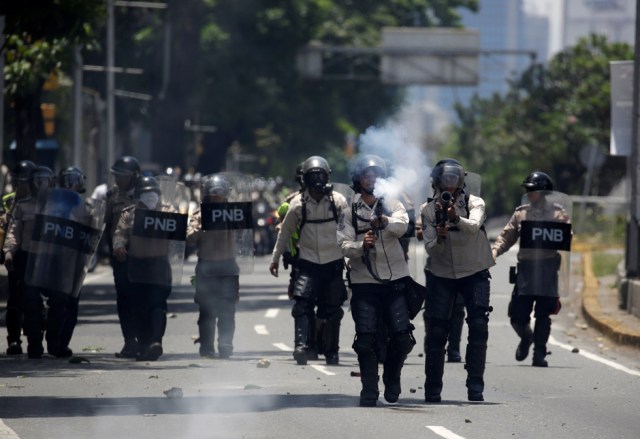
[{"x": 593, "y": 311}]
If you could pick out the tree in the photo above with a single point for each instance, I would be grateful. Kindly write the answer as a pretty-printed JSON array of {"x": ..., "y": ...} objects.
[
  {"x": 38, "y": 41},
  {"x": 549, "y": 114},
  {"x": 234, "y": 67}
]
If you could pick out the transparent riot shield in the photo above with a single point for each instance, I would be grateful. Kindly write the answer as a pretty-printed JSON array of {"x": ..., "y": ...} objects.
[
  {"x": 345, "y": 190},
  {"x": 158, "y": 240},
  {"x": 226, "y": 233},
  {"x": 66, "y": 233},
  {"x": 545, "y": 244}
]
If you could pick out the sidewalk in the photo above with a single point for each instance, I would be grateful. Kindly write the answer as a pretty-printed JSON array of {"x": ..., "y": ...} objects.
[{"x": 600, "y": 307}]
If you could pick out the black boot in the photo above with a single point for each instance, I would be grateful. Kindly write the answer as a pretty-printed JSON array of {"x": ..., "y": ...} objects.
[
  {"x": 301, "y": 337},
  {"x": 526, "y": 339},
  {"x": 434, "y": 360},
  {"x": 399, "y": 347},
  {"x": 331, "y": 339},
  {"x": 369, "y": 379},
  {"x": 476, "y": 358},
  {"x": 207, "y": 333},
  {"x": 541, "y": 332}
]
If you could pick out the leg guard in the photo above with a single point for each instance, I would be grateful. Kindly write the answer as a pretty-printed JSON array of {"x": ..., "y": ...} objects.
[
  {"x": 434, "y": 361},
  {"x": 400, "y": 344},
  {"x": 476, "y": 355},
  {"x": 300, "y": 312},
  {"x": 455, "y": 331},
  {"x": 541, "y": 332},
  {"x": 363, "y": 345},
  {"x": 206, "y": 331},
  {"x": 331, "y": 336},
  {"x": 526, "y": 339},
  {"x": 226, "y": 327}
]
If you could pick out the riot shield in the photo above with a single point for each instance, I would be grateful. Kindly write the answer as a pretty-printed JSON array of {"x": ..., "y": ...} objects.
[
  {"x": 545, "y": 244},
  {"x": 66, "y": 233},
  {"x": 158, "y": 240},
  {"x": 345, "y": 190},
  {"x": 227, "y": 224},
  {"x": 473, "y": 184}
]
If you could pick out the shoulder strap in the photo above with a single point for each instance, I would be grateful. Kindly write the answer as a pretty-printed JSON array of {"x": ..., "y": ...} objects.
[
  {"x": 354, "y": 220},
  {"x": 304, "y": 220}
]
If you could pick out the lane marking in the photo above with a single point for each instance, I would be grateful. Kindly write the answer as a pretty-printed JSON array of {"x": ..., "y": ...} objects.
[
  {"x": 6, "y": 432},
  {"x": 272, "y": 313},
  {"x": 594, "y": 357},
  {"x": 283, "y": 347},
  {"x": 261, "y": 329},
  {"x": 322, "y": 369},
  {"x": 441, "y": 431},
  {"x": 283, "y": 297}
]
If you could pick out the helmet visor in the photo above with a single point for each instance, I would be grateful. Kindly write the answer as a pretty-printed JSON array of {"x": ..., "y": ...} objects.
[{"x": 452, "y": 176}]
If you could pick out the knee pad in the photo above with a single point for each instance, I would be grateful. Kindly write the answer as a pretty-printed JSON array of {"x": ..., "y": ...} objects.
[
  {"x": 300, "y": 308},
  {"x": 403, "y": 342},
  {"x": 363, "y": 344}
]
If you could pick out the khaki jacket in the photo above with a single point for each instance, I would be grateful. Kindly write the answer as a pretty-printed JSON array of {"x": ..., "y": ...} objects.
[
  {"x": 117, "y": 201},
  {"x": 466, "y": 250},
  {"x": 317, "y": 241},
  {"x": 21, "y": 226},
  {"x": 532, "y": 212},
  {"x": 387, "y": 257},
  {"x": 213, "y": 245},
  {"x": 139, "y": 247}
]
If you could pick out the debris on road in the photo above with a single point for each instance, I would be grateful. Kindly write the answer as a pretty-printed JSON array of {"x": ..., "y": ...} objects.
[
  {"x": 78, "y": 360},
  {"x": 263, "y": 363},
  {"x": 174, "y": 392}
]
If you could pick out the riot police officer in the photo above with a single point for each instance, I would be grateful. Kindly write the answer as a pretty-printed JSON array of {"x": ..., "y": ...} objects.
[
  {"x": 217, "y": 273},
  {"x": 369, "y": 234},
  {"x": 314, "y": 214},
  {"x": 149, "y": 269},
  {"x": 21, "y": 233},
  {"x": 17, "y": 253},
  {"x": 536, "y": 286},
  {"x": 126, "y": 172},
  {"x": 62, "y": 312},
  {"x": 460, "y": 256}
]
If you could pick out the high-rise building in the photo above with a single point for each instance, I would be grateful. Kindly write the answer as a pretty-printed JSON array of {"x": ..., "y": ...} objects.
[{"x": 613, "y": 18}]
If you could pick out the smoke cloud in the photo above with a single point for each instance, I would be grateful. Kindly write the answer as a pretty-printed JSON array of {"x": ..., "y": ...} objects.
[{"x": 407, "y": 164}]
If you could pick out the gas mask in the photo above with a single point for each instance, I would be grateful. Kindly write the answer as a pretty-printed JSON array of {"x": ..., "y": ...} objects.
[{"x": 149, "y": 199}]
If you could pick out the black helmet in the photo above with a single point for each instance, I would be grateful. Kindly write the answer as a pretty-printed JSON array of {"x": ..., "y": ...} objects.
[
  {"x": 126, "y": 165},
  {"x": 215, "y": 185},
  {"x": 365, "y": 162},
  {"x": 146, "y": 184},
  {"x": 23, "y": 170},
  {"x": 315, "y": 171},
  {"x": 72, "y": 178},
  {"x": 538, "y": 181},
  {"x": 42, "y": 178},
  {"x": 447, "y": 173}
]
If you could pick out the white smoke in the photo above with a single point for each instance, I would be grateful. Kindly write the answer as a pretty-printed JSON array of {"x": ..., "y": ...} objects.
[{"x": 407, "y": 164}]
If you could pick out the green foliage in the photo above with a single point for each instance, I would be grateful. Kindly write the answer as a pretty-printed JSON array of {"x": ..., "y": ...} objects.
[
  {"x": 605, "y": 263},
  {"x": 550, "y": 113}
]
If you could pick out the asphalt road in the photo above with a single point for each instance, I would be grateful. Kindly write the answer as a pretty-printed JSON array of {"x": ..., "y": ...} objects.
[{"x": 591, "y": 393}]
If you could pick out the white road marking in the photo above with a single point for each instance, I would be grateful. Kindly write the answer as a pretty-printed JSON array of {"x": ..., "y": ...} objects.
[
  {"x": 272, "y": 313},
  {"x": 322, "y": 369},
  {"x": 283, "y": 347},
  {"x": 441, "y": 431},
  {"x": 595, "y": 357},
  {"x": 6, "y": 432},
  {"x": 261, "y": 329},
  {"x": 283, "y": 297}
]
